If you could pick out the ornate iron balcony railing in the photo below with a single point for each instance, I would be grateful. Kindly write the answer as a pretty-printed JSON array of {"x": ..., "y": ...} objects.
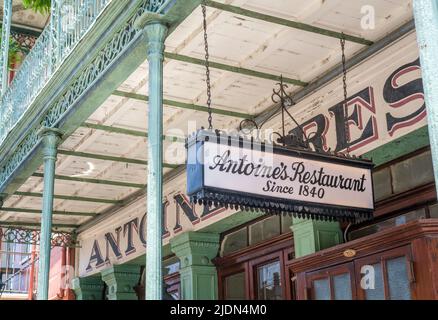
[{"x": 69, "y": 23}]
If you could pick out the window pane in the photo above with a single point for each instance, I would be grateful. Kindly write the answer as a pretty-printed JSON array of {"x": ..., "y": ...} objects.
[
  {"x": 264, "y": 230},
  {"x": 412, "y": 172},
  {"x": 235, "y": 287},
  {"x": 374, "y": 283},
  {"x": 269, "y": 282},
  {"x": 321, "y": 289},
  {"x": 399, "y": 288},
  {"x": 342, "y": 286},
  {"x": 389, "y": 223},
  {"x": 382, "y": 184},
  {"x": 433, "y": 210},
  {"x": 286, "y": 223},
  {"x": 234, "y": 241}
]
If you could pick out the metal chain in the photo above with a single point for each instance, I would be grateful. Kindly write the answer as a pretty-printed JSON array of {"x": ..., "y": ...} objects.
[
  {"x": 207, "y": 65},
  {"x": 344, "y": 83}
]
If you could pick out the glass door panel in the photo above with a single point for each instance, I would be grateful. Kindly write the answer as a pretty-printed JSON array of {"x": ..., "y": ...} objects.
[
  {"x": 342, "y": 287},
  {"x": 269, "y": 282},
  {"x": 321, "y": 289},
  {"x": 398, "y": 280},
  {"x": 235, "y": 287}
]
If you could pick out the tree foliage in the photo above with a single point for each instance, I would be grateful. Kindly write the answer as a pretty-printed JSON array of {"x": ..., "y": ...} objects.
[
  {"x": 41, "y": 6},
  {"x": 16, "y": 51}
]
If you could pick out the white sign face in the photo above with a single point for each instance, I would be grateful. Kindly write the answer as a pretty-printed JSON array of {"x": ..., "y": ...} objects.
[{"x": 269, "y": 174}]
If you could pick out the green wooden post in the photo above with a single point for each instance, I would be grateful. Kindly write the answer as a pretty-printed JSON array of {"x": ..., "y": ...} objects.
[
  {"x": 88, "y": 288},
  {"x": 156, "y": 33},
  {"x": 51, "y": 139},
  {"x": 121, "y": 280},
  {"x": 198, "y": 274},
  {"x": 311, "y": 236},
  {"x": 426, "y": 23}
]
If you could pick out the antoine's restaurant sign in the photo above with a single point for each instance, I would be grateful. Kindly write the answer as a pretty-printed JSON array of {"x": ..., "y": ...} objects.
[{"x": 241, "y": 173}]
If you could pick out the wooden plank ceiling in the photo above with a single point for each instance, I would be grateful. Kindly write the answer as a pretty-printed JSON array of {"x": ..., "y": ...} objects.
[{"x": 251, "y": 43}]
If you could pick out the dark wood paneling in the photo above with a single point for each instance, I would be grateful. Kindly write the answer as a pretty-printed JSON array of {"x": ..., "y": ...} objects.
[{"x": 416, "y": 240}]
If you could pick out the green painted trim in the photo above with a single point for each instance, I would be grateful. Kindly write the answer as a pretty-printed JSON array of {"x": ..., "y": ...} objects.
[
  {"x": 35, "y": 224},
  {"x": 72, "y": 198},
  {"x": 287, "y": 23},
  {"x": 399, "y": 147},
  {"x": 184, "y": 105},
  {"x": 109, "y": 158},
  {"x": 198, "y": 274},
  {"x": 232, "y": 221},
  {"x": 95, "y": 181},
  {"x": 64, "y": 213},
  {"x": 112, "y": 129},
  {"x": 311, "y": 236},
  {"x": 121, "y": 280},
  {"x": 128, "y": 132},
  {"x": 239, "y": 70},
  {"x": 88, "y": 288}
]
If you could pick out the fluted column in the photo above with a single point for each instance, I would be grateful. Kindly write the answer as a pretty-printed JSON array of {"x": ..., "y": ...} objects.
[
  {"x": 51, "y": 139},
  {"x": 156, "y": 33}
]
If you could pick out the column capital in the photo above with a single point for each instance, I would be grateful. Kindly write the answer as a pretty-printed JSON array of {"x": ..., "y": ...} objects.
[
  {"x": 150, "y": 18},
  {"x": 121, "y": 280},
  {"x": 195, "y": 248},
  {"x": 46, "y": 131},
  {"x": 51, "y": 138},
  {"x": 198, "y": 274},
  {"x": 156, "y": 33},
  {"x": 89, "y": 288}
]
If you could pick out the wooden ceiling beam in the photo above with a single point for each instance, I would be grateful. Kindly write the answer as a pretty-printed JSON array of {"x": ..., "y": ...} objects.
[
  {"x": 64, "y": 197},
  {"x": 94, "y": 181},
  {"x": 109, "y": 158},
  {"x": 35, "y": 211},
  {"x": 183, "y": 105},
  {"x": 288, "y": 23},
  {"x": 234, "y": 69},
  {"x": 129, "y": 132}
]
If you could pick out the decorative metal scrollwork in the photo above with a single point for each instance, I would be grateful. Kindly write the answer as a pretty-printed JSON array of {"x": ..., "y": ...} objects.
[
  {"x": 290, "y": 139},
  {"x": 127, "y": 34},
  {"x": 285, "y": 101},
  {"x": 30, "y": 236}
]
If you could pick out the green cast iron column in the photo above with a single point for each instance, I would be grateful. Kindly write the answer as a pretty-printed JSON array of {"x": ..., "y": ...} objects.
[
  {"x": 311, "y": 236},
  {"x": 426, "y": 23},
  {"x": 88, "y": 288},
  {"x": 198, "y": 274},
  {"x": 156, "y": 34},
  {"x": 51, "y": 139},
  {"x": 121, "y": 280}
]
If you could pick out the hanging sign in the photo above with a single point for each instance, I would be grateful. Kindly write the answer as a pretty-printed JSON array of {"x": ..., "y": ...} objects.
[{"x": 250, "y": 175}]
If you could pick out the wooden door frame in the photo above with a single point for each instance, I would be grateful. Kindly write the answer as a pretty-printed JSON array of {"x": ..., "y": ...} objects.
[
  {"x": 280, "y": 247},
  {"x": 382, "y": 257}
]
